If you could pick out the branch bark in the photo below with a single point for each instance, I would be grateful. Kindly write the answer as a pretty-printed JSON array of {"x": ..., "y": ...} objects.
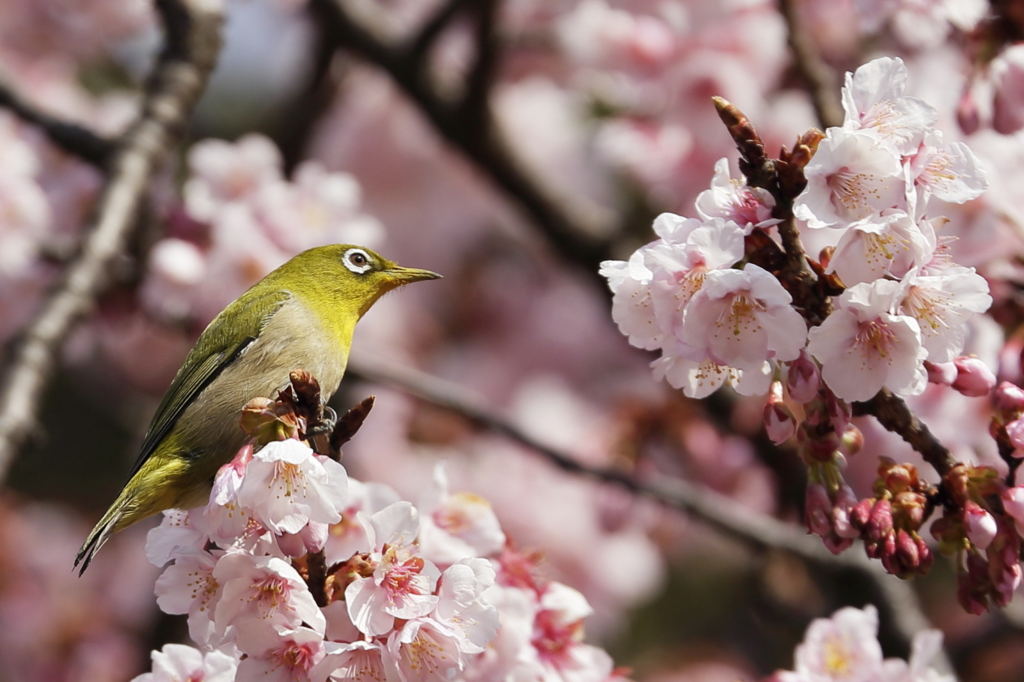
[
  {"x": 466, "y": 123},
  {"x": 74, "y": 139},
  {"x": 819, "y": 76},
  {"x": 179, "y": 77},
  {"x": 901, "y": 607}
]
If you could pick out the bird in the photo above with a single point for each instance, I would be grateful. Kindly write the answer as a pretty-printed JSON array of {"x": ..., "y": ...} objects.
[{"x": 300, "y": 316}]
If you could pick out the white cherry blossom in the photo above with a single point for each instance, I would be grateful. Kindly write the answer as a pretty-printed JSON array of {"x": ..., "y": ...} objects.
[
  {"x": 950, "y": 172},
  {"x": 283, "y": 656},
  {"x": 942, "y": 304},
  {"x": 873, "y": 100},
  {"x": 177, "y": 662},
  {"x": 462, "y": 608},
  {"x": 456, "y": 526},
  {"x": 743, "y": 317},
  {"x": 286, "y": 485},
  {"x": 188, "y": 586},
  {"x": 701, "y": 377},
  {"x": 888, "y": 244},
  {"x": 357, "y": 661},
  {"x": 864, "y": 345},
  {"x": 423, "y": 650},
  {"x": 852, "y": 176}
]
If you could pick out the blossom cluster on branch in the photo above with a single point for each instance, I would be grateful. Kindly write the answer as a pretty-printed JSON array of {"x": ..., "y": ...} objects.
[
  {"x": 293, "y": 571},
  {"x": 731, "y": 297}
]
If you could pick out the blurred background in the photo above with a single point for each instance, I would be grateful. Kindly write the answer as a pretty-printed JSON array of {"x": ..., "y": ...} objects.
[{"x": 511, "y": 146}]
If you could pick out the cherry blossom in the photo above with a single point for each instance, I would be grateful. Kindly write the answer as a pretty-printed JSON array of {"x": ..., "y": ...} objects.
[
  {"x": 950, "y": 172},
  {"x": 873, "y": 100},
  {"x": 743, "y": 317},
  {"x": 357, "y": 661},
  {"x": 177, "y": 662},
  {"x": 286, "y": 485},
  {"x": 888, "y": 244},
  {"x": 460, "y": 605},
  {"x": 942, "y": 304},
  {"x": 423, "y": 650},
  {"x": 259, "y": 594},
  {"x": 402, "y": 584},
  {"x": 852, "y": 176},
  {"x": 864, "y": 346},
  {"x": 456, "y": 526},
  {"x": 189, "y": 586},
  {"x": 733, "y": 200},
  {"x": 285, "y": 656}
]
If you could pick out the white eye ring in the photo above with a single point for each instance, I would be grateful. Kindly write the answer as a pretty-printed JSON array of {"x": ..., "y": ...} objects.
[{"x": 357, "y": 260}]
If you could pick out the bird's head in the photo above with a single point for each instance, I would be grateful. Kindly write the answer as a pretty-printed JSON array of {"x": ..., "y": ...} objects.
[{"x": 346, "y": 276}]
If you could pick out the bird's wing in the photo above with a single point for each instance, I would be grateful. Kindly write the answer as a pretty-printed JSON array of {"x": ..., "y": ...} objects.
[{"x": 212, "y": 353}]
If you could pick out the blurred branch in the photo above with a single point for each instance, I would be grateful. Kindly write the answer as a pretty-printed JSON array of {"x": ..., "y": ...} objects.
[
  {"x": 74, "y": 139},
  {"x": 190, "y": 50},
  {"x": 897, "y": 600},
  {"x": 819, "y": 76},
  {"x": 465, "y": 122}
]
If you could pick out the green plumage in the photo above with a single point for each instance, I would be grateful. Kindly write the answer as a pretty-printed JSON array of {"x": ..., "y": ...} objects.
[{"x": 302, "y": 315}]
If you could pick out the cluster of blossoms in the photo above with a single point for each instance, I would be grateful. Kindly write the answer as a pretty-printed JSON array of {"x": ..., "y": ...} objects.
[
  {"x": 717, "y": 318},
  {"x": 240, "y": 219},
  {"x": 888, "y": 311},
  {"x": 295, "y": 572},
  {"x": 845, "y": 647}
]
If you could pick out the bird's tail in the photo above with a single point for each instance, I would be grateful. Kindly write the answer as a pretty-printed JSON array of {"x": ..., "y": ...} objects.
[{"x": 107, "y": 526}]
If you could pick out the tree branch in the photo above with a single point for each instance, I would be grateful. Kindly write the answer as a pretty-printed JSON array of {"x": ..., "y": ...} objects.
[
  {"x": 190, "y": 50},
  {"x": 899, "y": 604},
  {"x": 819, "y": 76},
  {"x": 571, "y": 232},
  {"x": 74, "y": 139}
]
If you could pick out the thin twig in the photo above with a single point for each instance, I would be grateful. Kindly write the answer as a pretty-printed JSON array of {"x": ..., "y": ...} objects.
[
  {"x": 754, "y": 529},
  {"x": 190, "y": 50},
  {"x": 570, "y": 230},
  {"x": 74, "y": 139},
  {"x": 819, "y": 76}
]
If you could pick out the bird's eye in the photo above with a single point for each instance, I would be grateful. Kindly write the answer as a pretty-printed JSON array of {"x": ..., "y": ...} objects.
[{"x": 357, "y": 260}]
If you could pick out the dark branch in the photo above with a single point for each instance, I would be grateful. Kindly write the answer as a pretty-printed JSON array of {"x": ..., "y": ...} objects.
[
  {"x": 70, "y": 137},
  {"x": 892, "y": 413},
  {"x": 754, "y": 529},
  {"x": 819, "y": 76},
  {"x": 571, "y": 232},
  {"x": 190, "y": 50}
]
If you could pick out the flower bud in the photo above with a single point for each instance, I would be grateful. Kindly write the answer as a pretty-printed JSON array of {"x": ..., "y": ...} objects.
[
  {"x": 949, "y": 531},
  {"x": 973, "y": 585},
  {"x": 968, "y": 116},
  {"x": 1013, "y": 504},
  {"x": 980, "y": 525},
  {"x": 818, "y": 509},
  {"x": 803, "y": 379},
  {"x": 852, "y": 440},
  {"x": 973, "y": 377},
  {"x": 845, "y": 503},
  {"x": 1009, "y": 399},
  {"x": 1015, "y": 432},
  {"x": 942, "y": 373},
  {"x": 779, "y": 422}
]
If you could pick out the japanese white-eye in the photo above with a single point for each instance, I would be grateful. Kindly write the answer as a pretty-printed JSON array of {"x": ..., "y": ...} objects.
[{"x": 300, "y": 316}]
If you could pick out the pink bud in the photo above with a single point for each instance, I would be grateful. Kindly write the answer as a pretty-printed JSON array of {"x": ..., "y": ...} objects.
[
  {"x": 942, "y": 373},
  {"x": 838, "y": 411},
  {"x": 818, "y": 510},
  {"x": 980, "y": 525},
  {"x": 973, "y": 377},
  {"x": 967, "y": 115},
  {"x": 845, "y": 503},
  {"x": 803, "y": 379},
  {"x": 853, "y": 440},
  {"x": 779, "y": 422},
  {"x": 973, "y": 585},
  {"x": 1015, "y": 431},
  {"x": 1009, "y": 398},
  {"x": 1013, "y": 503}
]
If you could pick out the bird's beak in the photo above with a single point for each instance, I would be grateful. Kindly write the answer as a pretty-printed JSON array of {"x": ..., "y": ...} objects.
[{"x": 402, "y": 276}]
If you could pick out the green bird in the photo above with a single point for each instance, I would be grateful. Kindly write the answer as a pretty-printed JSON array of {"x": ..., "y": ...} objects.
[{"x": 301, "y": 315}]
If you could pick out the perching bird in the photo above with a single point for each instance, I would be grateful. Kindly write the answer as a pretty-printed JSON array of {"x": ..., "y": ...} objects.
[{"x": 301, "y": 315}]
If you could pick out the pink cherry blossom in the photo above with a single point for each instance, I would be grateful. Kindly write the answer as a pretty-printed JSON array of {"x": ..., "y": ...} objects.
[
  {"x": 177, "y": 662},
  {"x": 349, "y": 536},
  {"x": 733, "y": 200},
  {"x": 286, "y": 485},
  {"x": 743, "y": 317},
  {"x": 402, "y": 584},
  {"x": 259, "y": 594},
  {"x": 973, "y": 377},
  {"x": 177, "y": 530},
  {"x": 852, "y": 176},
  {"x": 699, "y": 378},
  {"x": 283, "y": 656},
  {"x": 864, "y": 346},
  {"x": 844, "y": 647},
  {"x": 459, "y": 526},
  {"x": 1013, "y": 504},
  {"x": 229, "y": 172}
]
